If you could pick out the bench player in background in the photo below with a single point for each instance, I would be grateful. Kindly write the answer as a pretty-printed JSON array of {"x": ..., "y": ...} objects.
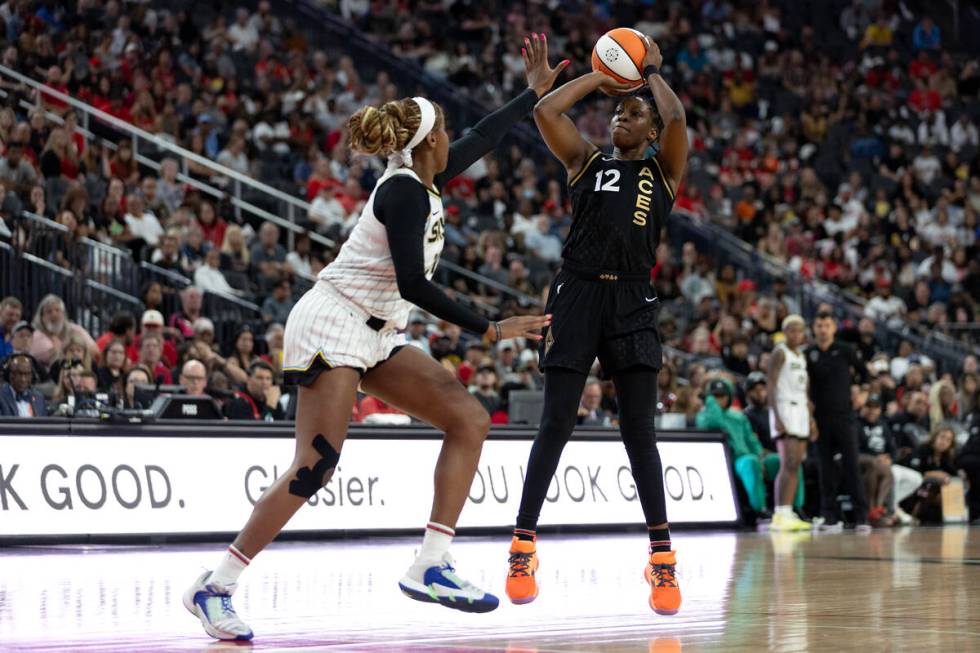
[
  {"x": 789, "y": 420},
  {"x": 603, "y": 304},
  {"x": 345, "y": 332}
]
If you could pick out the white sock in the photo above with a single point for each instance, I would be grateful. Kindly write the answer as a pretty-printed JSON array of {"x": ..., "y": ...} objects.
[
  {"x": 785, "y": 510},
  {"x": 230, "y": 568},
  {"x": 435, "y": 544}
]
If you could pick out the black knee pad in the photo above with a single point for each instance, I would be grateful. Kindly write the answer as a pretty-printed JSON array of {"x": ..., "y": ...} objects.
[{"x": 309, "y": 481}]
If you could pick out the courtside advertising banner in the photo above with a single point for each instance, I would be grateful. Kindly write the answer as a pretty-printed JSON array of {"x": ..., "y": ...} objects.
[{"x": 81, "y": 485}]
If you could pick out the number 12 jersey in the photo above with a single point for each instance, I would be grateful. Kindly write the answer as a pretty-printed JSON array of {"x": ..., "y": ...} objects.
[{"x": 619, "y": 209}]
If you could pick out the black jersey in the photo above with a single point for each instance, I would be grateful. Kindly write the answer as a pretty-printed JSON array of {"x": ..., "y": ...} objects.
[
  {"x": 831, "y": 373},
  {"x": 618, "y": 211}
]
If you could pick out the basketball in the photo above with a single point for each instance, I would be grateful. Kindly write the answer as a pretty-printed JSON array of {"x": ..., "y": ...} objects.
[{"x": 619, "y": 53}]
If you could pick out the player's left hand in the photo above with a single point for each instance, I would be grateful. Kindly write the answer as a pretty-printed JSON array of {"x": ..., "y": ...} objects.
[
  {"x": 522, "y": 326},
  {"x": 653, "y": 57},
  {"x": 540, "y": 76}
]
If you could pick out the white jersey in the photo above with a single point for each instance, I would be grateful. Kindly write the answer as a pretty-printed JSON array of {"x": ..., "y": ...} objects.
[
  {"x": 363, "y": 271},
  {"x": 791, "y": 385}
]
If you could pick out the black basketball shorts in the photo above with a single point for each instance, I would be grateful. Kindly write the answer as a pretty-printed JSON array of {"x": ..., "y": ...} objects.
[{"x": 605, "y": 318}]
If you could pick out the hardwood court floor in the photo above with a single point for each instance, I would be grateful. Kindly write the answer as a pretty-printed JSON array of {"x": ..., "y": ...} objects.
[{"x": 902, "y": 590}]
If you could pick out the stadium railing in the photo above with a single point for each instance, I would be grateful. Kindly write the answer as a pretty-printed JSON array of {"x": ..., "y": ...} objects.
[
  {"x": 150, "y": 150},
  {"x": 101, "y": 263},
  {"x": 724, "y": 247},
  {"x": 90, "y": 303},
  {"x": 107, "y": 279}
]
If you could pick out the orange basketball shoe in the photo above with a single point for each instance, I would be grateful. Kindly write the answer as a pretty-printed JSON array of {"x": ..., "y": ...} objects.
[
  {"x": 665, "y": 593},
  {"x": 522, "y": 587}
]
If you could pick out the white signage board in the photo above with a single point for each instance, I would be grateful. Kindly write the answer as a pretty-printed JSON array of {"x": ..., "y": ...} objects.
[{"x": 89, "y": 485}]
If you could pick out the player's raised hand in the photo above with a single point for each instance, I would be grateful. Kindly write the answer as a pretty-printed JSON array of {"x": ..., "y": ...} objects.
[
  {"x": 653, "y": 56},
  {"x": 540, "y": 76},
  {"x": 522, "y": 326}
]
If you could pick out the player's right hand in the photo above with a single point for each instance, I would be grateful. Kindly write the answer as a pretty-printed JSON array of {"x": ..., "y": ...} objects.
[
  {"x": 608, "y": 83},
  {"x": 523, "y": 326}
]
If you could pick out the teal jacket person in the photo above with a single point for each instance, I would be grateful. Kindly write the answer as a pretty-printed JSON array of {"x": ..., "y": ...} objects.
[
  {"x": 733, "y": 423},
  {"x": 753, "y": 465}
]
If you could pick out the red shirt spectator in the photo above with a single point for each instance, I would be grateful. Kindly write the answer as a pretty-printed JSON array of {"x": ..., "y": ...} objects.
[
  {"x": 105, "y": 339},
  {"x": 372, "y": 405},
  {"x": 57, "y": 81},
  {"x": 273, "y": 68},
  {"x": 212, "y": 226},
  {"x": 689, "y": 201},
  {"x": 321, "y": 178},
  {"x": 153, "y": 323},
  {"x": 53, "y": 102},
  {"x": 922, "y": 68},
  {"x": 925, "y": 99}
]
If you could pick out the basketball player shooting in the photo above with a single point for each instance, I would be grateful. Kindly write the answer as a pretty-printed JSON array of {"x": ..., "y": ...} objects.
[
  {"x": 602, "y": 301},
  {"x": 344, "y": 332}
]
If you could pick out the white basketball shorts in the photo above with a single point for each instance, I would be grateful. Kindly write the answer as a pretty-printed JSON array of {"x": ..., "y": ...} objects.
[
  {"x": 327, "y": 330},
  {"x": 795, "y": 416}
]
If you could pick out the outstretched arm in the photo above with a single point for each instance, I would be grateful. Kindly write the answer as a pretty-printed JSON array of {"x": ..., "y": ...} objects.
[
  {"x": 402, "y": 206},
  {"x": 559, "y": 132},
  {"x": 673, "y": 140},
  {"x": 487, "y": 134}
]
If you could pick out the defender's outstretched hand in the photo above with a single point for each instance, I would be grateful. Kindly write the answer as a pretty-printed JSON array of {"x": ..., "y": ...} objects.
[
  {"x": 522, "y": 326},
  {"x": 540, "y": 76}
]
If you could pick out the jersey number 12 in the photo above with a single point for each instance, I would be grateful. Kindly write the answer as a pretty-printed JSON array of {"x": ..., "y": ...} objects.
[{"x": 612, "y": 181}]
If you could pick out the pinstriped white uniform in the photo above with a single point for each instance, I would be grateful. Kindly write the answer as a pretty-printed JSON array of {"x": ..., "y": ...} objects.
[
  {"x": 791, "y": 395},
  {"x": 329, "y": 321}
]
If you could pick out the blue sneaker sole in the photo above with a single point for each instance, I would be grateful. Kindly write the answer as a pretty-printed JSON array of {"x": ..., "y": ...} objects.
[{"x": 461, "y": 605}]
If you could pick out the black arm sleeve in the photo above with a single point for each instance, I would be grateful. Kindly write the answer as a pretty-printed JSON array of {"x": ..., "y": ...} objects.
[
  {"x": 485, "y": 135},
  {"x": 401, "y": 204}
]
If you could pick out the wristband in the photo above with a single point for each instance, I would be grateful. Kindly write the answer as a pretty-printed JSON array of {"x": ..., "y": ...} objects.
[
  {"x": 650, "y": 70},
  {"x": 497, "y": 333}
]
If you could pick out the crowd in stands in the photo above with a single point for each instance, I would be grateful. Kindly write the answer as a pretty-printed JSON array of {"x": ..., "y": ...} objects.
[
  {"x": 842, "y": 144},
  {"x": 856, "y": 165},
  {"x": 840, "y": 138}
]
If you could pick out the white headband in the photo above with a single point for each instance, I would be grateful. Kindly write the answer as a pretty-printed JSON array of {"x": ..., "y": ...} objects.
[{"x": 403, "y": 158}]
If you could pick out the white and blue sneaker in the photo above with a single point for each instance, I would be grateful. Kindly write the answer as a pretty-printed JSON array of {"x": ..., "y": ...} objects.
[
  {"x": 439, "y": 583},
  {"x": 212, "y": 605}
]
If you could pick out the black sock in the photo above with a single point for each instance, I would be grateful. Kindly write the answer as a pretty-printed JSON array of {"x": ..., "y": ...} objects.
[
  {"x": 659, "y": 540},
  {"x": 524, "y": 534},
  {"x": 525, "y": 528}
]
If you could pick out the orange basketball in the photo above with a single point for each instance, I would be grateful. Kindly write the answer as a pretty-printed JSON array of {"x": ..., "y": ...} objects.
[{"x": 619, "y": 53}]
